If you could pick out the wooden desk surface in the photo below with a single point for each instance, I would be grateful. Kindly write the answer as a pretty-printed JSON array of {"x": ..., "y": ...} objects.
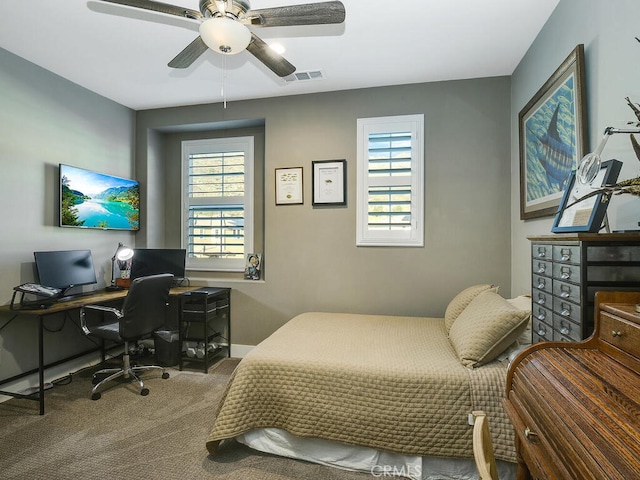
[{"x": 99, "y": 296}]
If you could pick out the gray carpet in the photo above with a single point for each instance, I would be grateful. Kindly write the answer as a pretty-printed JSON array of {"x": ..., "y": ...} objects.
[{"x": 124, "y": 435}]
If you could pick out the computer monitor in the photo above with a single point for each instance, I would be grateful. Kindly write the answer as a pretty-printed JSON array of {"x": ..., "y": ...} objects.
[
  {"x": 153, "y": 261},
  {"x": 65, "y": 269}
]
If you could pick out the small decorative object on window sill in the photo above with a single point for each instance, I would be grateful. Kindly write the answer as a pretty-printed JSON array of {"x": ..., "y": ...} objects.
[{"x": 253, "y": 267}]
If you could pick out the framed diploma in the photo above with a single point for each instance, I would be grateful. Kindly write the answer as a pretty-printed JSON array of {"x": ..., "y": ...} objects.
[
  {"x": 289, "y": 186},
  {"x": 583, "y": 207},
  {"x": 329, "y": 182}
]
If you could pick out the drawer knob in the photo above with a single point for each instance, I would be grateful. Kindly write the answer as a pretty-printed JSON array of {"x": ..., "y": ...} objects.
[
  {"x": 615, "y": 333},
  {"x": 542, "y": 332},
  {"x": 564, "y": 331},
  {"x": 565, "y": 313},
  {"x": 529, "y": 435}
]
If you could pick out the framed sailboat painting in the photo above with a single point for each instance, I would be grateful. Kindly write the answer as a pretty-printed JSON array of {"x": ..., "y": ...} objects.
[{"x": 553, "y": 133}]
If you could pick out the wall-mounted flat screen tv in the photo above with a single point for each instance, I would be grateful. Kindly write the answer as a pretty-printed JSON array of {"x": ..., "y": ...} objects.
[{"x": 95, "y": 200}]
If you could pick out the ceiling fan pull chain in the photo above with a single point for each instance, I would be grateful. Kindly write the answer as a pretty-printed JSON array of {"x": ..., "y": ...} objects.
[{"x": 224, "y": 81}]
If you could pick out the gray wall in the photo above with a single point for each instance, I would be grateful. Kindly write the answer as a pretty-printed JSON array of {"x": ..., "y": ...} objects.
[
  {"x": 311, "y": 261},
  {"x": 44, "y": 121},
  {"x": 612, "y": 57}
]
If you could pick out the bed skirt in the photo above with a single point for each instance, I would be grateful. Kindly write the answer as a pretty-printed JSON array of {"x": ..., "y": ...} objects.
[{"x": 363, "y": 459}]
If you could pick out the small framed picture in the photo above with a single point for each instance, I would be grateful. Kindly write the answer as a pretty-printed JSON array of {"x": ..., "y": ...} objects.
[
  {"x": 329, "y": 182},
  {"x": 253, "y": 268},
  {"x": 583, "y": 207},
  {"x": 289, "y": 186}
]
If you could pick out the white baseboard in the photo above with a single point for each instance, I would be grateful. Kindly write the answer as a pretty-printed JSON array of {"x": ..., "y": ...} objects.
[
  {"x": 53, "y": 373},
  {"x": 240, "y": 351},
  {"x": 60, "y": 371}
]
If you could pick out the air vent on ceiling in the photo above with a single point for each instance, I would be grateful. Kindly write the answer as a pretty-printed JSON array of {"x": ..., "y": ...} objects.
[{"x": 304, "y": 75}]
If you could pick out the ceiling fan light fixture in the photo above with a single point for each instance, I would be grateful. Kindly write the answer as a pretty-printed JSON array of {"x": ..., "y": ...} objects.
[
  {"x": 277, "y": 47},
  {"x": 225, "y": 35}
]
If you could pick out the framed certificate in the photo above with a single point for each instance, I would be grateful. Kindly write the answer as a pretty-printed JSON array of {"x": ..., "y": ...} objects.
[
  {"x": 583, "y": 207},
  {"x": 329, "y": 182},
  {"x": 289, "y": 186}
]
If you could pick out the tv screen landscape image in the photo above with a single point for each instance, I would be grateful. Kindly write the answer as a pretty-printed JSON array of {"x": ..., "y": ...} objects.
[{"x": 95, "y": 200}]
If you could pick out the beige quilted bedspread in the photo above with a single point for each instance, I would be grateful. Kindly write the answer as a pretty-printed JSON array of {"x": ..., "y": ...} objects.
[{"x": 386, "y": 382}]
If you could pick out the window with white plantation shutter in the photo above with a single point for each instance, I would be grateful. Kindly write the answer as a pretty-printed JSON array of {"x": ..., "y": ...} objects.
[
  {"x": 218, "y": 202},
  {"x": 390, "y": 198}
]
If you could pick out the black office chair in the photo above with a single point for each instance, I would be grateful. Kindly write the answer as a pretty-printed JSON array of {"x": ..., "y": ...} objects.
[{"x": 142, "y": 313}]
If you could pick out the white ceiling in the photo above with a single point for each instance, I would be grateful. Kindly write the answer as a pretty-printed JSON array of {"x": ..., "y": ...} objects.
[{"x": 122, "y": 53}]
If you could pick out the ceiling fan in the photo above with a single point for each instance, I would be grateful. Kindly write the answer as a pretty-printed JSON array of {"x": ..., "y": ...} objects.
[{"x": 223, "y": 27}]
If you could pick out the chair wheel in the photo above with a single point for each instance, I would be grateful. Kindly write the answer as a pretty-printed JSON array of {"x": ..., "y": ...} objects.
[
  {"x": 96, "y": 396},
  {"x": 165, "y": 375},
  {"x": 144, "y": 392}
]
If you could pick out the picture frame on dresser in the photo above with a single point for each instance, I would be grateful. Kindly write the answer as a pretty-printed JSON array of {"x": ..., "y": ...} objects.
[
  {"x": 583, "y": 206},
  {"x": 553, "y": 134}
]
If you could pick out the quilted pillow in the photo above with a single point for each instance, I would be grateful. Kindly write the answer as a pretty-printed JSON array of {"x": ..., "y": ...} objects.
[
  {"x": 486, "y": 328},
  {"x": 461, "y": 300}
]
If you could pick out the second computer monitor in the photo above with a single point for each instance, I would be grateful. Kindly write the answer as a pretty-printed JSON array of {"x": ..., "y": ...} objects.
[
  {"x": 65, "y": 269},
  {"x": 154, "y": 261}
]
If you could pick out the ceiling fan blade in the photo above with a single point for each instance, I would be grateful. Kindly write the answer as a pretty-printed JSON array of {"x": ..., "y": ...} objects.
[
  {"x": 276, "y": 62},
  {"x": 306, "y": 14},
  {"x": 159, "y": 7},
  {"x": 190, "y": 54}
]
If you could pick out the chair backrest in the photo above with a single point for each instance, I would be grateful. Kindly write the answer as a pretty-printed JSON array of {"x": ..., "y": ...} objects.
[
  {"x": 483, "y": 448},
  {"x": 145, "y": 305}
]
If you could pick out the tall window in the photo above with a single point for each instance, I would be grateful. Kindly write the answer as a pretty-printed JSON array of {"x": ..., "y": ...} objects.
[
  {"x": 217, "y": 194},
  {"x": 390, "y": 202}
]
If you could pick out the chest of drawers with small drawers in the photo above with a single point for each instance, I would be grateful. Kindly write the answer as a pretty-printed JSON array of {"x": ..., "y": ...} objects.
[{"x": 567, "y": 270}]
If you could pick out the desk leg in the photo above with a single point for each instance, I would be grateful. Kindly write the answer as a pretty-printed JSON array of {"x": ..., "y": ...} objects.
[
  {"x": 41, "y": 363},
  {"x": 180, "y": 334}
]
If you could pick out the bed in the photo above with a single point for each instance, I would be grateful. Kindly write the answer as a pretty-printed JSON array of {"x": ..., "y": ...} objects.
[{"x": 333, "y": 388}]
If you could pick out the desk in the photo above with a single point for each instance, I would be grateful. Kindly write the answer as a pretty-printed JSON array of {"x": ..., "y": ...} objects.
[
  {"x": 100, "y": 296},
  {"x": 575, "y": 405}
]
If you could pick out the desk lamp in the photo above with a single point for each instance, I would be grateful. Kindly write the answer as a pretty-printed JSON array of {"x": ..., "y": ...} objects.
[{"x": 122, "y": 256}]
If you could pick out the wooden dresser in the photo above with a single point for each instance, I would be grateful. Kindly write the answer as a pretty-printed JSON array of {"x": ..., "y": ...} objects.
[
  {"x": 567, "y": 270},
  {"x": 575, "y": 407}
]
